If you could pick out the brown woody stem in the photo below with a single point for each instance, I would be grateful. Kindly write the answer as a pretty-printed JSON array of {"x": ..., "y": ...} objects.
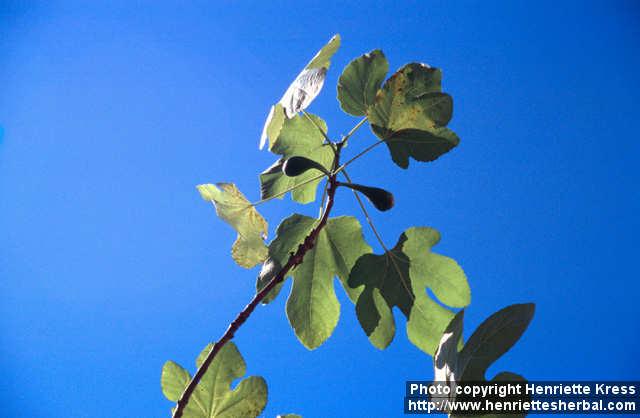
[{"x": 294, "y": 260}]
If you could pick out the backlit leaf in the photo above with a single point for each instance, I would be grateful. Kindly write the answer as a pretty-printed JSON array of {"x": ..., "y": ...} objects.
[
  {"x": 173, "y": 380},
  {"x": 298, "y": 137},
  {"x": 402, "y": 277},
  {"x": 360, "y": 81},
  {"x": 213, "y": 397},
  {"x": 249, "y": 248},
  {"x": 312, "y": 308},
  {"x": 411, "y": 113}
]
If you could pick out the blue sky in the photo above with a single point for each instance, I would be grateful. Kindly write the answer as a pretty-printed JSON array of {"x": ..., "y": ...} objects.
[{"x": 110, "y": 263}]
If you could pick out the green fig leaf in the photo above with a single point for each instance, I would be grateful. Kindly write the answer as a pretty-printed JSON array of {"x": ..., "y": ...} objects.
[
  {"x": 443, "y": 275},
  {"x": 494, "y": 337},
  {"x": 299, "y": 136},
  {"x": 213, "y": 396},
  {"x": 322, "y": 59},
  {"x": 402, "y": 276},
  {"x": 360, "y": 81},
  {"x": 273, "y": 125},
  {"x": 173, "y": 380},
  {"x": 301, "y": 92},
  {"x": 231, "y": 206},
  {"x": 410, "y": 114},
  {"x": 312, "y": 308}
]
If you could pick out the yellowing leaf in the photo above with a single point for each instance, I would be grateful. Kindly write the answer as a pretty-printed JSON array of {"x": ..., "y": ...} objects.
[
  {"x": 411, "y": 113},
  {"x": 249, "y": 248}
]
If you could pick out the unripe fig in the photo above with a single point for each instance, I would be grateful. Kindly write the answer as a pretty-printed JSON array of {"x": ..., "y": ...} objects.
[
  {"x": 295, "y": 166},
  {"x": 381, "y": 199}
]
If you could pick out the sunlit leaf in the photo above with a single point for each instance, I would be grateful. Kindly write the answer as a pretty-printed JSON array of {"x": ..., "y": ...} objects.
[
  {"x": 322, "y": 59},
  {"x": 312, "y": 308},
  {"x": 213, "y": 396},
  {"x": 299, "y": 136},
  {"x": 304, "y": 89},
  {"x": 173, "y": 380},
  {"x": 301, "y": 92},
  {"x": 249, "y": 248},
  {"x": 402, "y": 277},
  {"x": 360, "y": 81},
  {"x": 410, "y": 113},
  {"x": 272, "y": 127}
]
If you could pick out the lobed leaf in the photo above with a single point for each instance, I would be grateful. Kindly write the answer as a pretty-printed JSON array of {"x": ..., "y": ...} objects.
[
  {"x": 322, "y": 59},
  {"x": 273, "y": 125},
  {"x": 360, "y": 81},
  {"x": 494, "y": 337},
  {"x": 312, "y": 308},
  {"x": 410, "y": 114},
  {"x": 400, "y": 278},
  {"x": 249, "y": 248},
  {"x": 173, "y": 380},
  {"x": 299, "y": 136},
  {"x": 300, "y": 93},
  {"x": 213, "y": 396}
]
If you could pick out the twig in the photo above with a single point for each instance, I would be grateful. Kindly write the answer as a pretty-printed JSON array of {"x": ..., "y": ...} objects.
[
  {"x": 354, "y": 129},
  {"x": 360, "y": 154},
  {"x": 388, "y": 253},
  {"x": 294, "y": 260}
]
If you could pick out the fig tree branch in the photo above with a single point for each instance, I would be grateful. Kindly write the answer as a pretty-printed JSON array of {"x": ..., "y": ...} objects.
[{"x": 294, "y": 260}]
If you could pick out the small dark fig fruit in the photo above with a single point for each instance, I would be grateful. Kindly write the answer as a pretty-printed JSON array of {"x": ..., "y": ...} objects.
[
  {"x": 381, "y": 199},
  {"x": 295, "y": 166}
]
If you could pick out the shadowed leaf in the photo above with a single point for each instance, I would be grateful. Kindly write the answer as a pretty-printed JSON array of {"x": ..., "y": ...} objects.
[
  {"x": 489, "y": 342},
  {"x": 401, "y": 277},
  {"x": 494, "y": 337}
]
